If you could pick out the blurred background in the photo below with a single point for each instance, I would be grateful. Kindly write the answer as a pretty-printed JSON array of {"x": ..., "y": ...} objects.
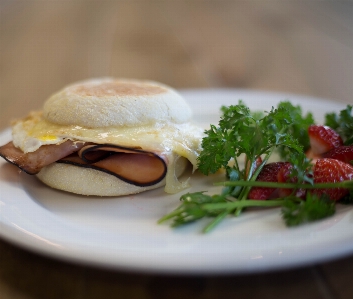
[{"x": 302, "y": 47}]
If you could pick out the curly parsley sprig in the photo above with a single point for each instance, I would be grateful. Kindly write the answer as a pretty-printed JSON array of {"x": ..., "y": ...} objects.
[
  {"x": 256, "y": 136},
  {"x": 294, "y": 210},
  {"x": 342, "y": 123},
  {"x": 239, "y": 132}
]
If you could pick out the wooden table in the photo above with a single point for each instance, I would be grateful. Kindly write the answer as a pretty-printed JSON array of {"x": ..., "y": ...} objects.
[{"x": 288, "y": 46}]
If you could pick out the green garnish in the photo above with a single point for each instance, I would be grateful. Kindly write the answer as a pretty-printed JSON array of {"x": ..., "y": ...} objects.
[
  {"x": 295, "y": 212},
  {"x": 342, "y": 123},
  {"x": 239, "y": 132},
  {"x": 253, "y": 137},
  {"x": 298, "y": 129}
]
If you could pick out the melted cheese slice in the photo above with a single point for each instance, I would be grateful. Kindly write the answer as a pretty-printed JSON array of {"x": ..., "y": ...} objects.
[{"x": 166, "y": 139}]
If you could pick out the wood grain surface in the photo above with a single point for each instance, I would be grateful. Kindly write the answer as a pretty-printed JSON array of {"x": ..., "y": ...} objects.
[{"x": 302, "y": 47}]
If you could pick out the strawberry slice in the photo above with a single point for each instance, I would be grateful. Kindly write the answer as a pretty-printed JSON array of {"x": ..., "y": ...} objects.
[
  {"x": 331, "y": 170},
  {"x": 323, "y": 139},
  {"x": 343, "y": 153},
  {"x": 283, "y": 176},
  {"x": 268, "y": 174}
]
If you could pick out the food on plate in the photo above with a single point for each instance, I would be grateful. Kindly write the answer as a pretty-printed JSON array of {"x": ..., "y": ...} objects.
[
  {"x": 328, "y": 170},
  {"x": 306, "y": 189},
  {"x": 343, "y": 153},
  {"x": 323, "y": 139},
  {"x": 108, "y": 137}
]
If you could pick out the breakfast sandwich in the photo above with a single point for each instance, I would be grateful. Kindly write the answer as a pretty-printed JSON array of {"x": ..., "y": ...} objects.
[{"x": 108, "y": 137}]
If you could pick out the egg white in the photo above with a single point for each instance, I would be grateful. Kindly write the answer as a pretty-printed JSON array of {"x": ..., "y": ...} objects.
[{"x": 168, "y": 139}]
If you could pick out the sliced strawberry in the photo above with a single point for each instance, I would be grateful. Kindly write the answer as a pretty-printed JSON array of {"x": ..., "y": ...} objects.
[
  {"x": 268, "y": 174},
  {"x": 343, "y": 153},
  {"x": 283, "y": 176},
  {"x": 331, "y": 170},
  {"x": 323, "y": 139}
]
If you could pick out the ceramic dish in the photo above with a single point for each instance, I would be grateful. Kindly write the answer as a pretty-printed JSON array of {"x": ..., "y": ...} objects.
[{"x": 122, "y": 233}]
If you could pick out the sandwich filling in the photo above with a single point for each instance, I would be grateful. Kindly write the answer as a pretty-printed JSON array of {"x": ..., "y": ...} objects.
[
  {"x": 142, "y": 156},
  {"x": 133, "y": 166}
]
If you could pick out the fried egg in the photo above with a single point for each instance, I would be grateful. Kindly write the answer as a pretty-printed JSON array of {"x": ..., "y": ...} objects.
[{"x": 183, "y": 139}]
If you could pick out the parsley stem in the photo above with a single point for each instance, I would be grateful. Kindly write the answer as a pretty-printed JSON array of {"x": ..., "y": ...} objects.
[
  {"x": 216, "y": 221},
  {"x": 172, "y": 214},
  {"x": 242, "y": 204},
  {"x": 245, "y": 191},
  {"x": 342, "y": 184}
]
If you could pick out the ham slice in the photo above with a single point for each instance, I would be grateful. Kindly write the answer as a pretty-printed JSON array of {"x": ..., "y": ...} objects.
[
  {"x": 97, "y": 152},
  {"x": 33, "y": 162},
  {"x": 133, "y": 166}
]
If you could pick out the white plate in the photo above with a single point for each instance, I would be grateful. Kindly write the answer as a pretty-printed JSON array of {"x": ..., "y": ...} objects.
[{"x": 122, "y": 233}]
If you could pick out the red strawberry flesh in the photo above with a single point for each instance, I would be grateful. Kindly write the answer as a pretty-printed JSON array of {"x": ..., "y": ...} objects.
[
  {"x": 323, "y": 139},
  {"x": 343, "y": 153},
  {"x": 283, "y": 176},
  {"x": 268, "y": 174},
  {"x": 331, "y": 170}
]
